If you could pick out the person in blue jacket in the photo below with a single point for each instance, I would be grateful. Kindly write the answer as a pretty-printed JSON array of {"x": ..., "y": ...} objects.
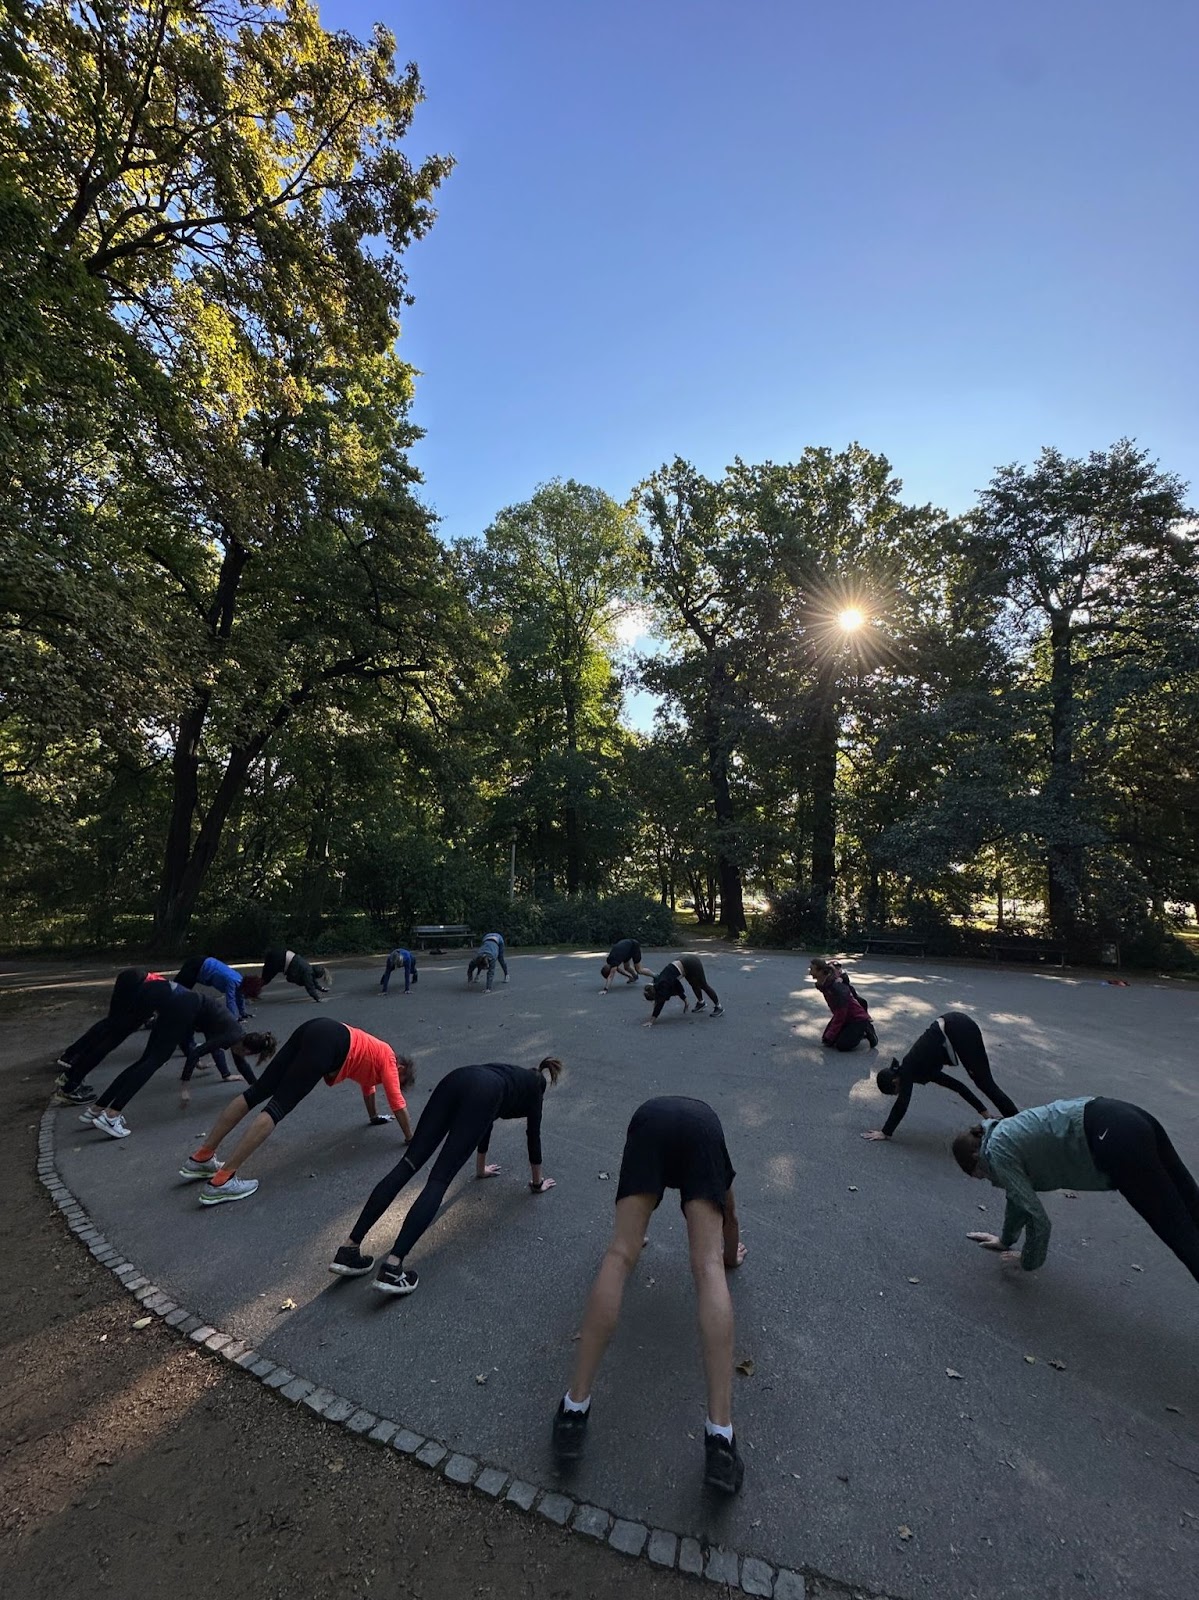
[
  {"x": 1090, "y": 1143},
  {"x": 395, "y": 960},
  {"x": 214, "y": 974}
]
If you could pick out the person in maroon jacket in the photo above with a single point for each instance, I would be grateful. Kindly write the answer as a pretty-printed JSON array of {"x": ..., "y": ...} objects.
[{"x": 850, "y": 1021}]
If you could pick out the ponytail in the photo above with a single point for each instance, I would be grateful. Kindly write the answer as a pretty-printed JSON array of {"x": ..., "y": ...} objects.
[
  {"x": 407, "y": 1071},
  {"x": 552, "y": 1067},
  {"x": 966, "y": 1148},
  {"x": 261, "y": 1046}
]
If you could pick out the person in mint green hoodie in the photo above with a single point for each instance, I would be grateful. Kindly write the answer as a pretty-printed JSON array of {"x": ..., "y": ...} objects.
[{"x": 1081, "y": 1144}]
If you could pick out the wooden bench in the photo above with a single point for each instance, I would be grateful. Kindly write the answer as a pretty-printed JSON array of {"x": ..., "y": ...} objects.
[
  {"x": 893, "y": 944},
  {"x": 432, "y": 935},
  {"x": 1038, "y": 950}
]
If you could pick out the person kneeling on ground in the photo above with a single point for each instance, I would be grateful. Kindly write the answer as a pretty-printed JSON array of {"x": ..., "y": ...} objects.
[
  {"x": 668, "y": 985},
  {"x": 459, "y": 1117},
  {"x": 671, "y": 1143},
  {"x": 850, "y": 1021},
  {"x": 395, "y": 960},
  {"x": 312, "y": 978},
  {"x": 318, "y": 1049},
  {"x": 623, "y": 958},
  {"x": 954, "y": 1040},
  {"x": 1081, "y": 1144},
  {"x": 489, "y": 952}
]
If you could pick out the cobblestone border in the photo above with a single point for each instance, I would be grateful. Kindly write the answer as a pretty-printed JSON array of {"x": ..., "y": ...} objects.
[{"x": 662, "y": 1549}]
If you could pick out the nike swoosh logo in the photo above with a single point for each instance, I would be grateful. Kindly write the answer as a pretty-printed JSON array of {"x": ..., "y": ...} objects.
[{"x": 1103, "y": 1136}]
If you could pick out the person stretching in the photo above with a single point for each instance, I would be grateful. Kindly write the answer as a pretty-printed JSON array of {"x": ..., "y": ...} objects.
[
  {"x": 668, "y": 985},
  {"x": 954, "y": 1040},
  {"x": 458, "y": 1117},
  {"x": 179, "y": 1016},
  {"x": 214, "y": 974},
  {"x": 489, "y": 952},
  {"x": 1081, "y": 1144},
  {"x": 214, "y": 1046},
  {"x": 129, "y": 1006},
  {"x": 312, "y": 978},
  {"x": 399, "y": 958},
  {"x": 850, "y": 1021},
  {"x": 320, "y": 1049},
  {"x": 671, "y": 1143},
  {"x": 623, "y": 958}
]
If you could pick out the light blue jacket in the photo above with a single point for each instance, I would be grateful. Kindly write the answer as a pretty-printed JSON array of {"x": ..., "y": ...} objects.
[{"x": 1042, "y": 1148}]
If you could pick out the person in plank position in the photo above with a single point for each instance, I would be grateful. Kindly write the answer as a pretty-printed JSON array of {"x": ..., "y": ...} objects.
[
  {"x": 668, "y": 985},
  {"x": 624, "y": 959}
]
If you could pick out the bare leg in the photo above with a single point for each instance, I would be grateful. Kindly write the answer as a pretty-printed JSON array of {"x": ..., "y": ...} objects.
[
  {"x": 705, "y": 1234},
  {"x": 226, "y": 1122},
  {"x": 603, "y": 1303},
  {"x": 259, "y": 1130}
]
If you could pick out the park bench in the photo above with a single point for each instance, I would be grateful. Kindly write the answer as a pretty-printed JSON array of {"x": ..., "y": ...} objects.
[
  {"x": 884, "y": 943},
  {"x": 1039, "y": 950},
  {"x": 432, "y": 936}
]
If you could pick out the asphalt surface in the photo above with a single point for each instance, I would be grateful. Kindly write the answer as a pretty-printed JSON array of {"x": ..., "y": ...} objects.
[{"x": 859, "y": 1295}]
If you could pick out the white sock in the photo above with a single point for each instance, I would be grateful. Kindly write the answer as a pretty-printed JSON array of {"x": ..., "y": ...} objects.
[
  {"x": 581, "y": 1406},
  {"x": 718, "y": 1428}
]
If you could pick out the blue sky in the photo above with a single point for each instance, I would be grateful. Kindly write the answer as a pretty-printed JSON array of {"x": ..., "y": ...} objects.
[{"x": 953, "y": 232}]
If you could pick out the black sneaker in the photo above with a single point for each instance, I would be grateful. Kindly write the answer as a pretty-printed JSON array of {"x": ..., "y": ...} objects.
[
  {"x": 700, "y": 1005},
  {"x": 723, "y": 1466},
  {"x": 570, "y": 1432},
  {"x": 718, "y": 1011},
  {"x": 83, "y": 1096},
  {"x": 350, "y": 1263},
  {"x": 872, "y": 1038},
  {"x": 394, "y": 1280}
]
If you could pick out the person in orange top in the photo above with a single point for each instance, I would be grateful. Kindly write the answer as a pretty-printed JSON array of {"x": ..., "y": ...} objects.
[{"x": 318, "y": 1049}]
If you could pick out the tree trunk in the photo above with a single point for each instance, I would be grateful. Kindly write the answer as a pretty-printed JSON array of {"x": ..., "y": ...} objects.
[
  {"x": 570, "y": 812},
  {"x": 728, "y": 869},
  {"x": 1064, "y": 856},
  {"x": 999, "y": 908},
  {"x": 824, "y": 800}
]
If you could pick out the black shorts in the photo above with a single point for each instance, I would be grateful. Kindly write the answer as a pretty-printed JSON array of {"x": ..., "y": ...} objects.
[
  {"x": 676, "y": 1143},
  {"x": 316, "y": 1050}
]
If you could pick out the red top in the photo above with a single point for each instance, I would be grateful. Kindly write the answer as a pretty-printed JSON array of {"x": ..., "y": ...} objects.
[{"x": 371, "y": 1063}]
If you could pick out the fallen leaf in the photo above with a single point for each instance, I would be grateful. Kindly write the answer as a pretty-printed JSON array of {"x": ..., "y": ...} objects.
[
  {"x": 1177, "y": 1410},
  {"x": 1058, "y": 1366},
  {"x": 1135, "y": 1268},
  {"x": 853, "y": 1188},
  {"x": 103, "y": 1338},
  {"x": 913, "y": 1280},
  {"x": 904, "y": 1531},
  {"x": 950, "y": 1373},
  {"x": 604, "y": 1175},
  {"x": 288, "y": 1305},
  {"x": 649, "y": 1282},
  {"x": 843, "y": 1477},
  {"x": 480, "y": 1377},
  {"x": 143, "y": 1322},
  {"x": 746, "y": 1367},
  {"x": 337, "y": 1465},
  {"x": 1032, "y": 1360},
  {"x": 982, "y": 1208}
]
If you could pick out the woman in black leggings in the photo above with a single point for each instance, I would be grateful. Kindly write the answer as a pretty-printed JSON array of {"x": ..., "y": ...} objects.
[
  {"x": 135, "y": 998},
  {"x": 460, "y": 1111},
  {"x": 954, "y": 1040},
  {"x": 181, "y": 1015},
  {"x": 668, "y": 985},
  {"x": 1081, "y": 1144}
]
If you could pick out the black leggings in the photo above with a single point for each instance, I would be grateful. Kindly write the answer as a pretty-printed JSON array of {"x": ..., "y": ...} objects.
[
  {"x": 966, "y": 1037},
  {"x": 104, "y": 1036},
  {"x": 316, "y": 1050},
  {"x": 1135, "y": 1152},
  {"x": 460, "y": 1110},
  {"x": 175, "y": 1020},
  {"x": 693, "y": 971}
]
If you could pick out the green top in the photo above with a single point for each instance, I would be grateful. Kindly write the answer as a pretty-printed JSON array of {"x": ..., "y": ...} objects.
[{"x": 1042, "y": 1148}]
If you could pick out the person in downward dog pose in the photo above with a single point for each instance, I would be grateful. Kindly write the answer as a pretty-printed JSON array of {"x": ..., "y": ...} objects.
[
  {"x": 671, "y": 1143},
  {"x": 1081, "y": 1144},
  {"x": 131, "y": 1004},
  {"x": 313, "y": 979},
  {"x": 490, "y": 951},
  {"x": 459, "y": 1117},
  {"x": 240, "y": 1046},
  {"x": 668, "y": 985},
  {"x": 396, "y": 960},
  {"x": 227, "y": 981},
  {"x": 179, "y": 1016},
  {"x": 320, "y": 1050},
  {"x": 954, "y": 1040},
  {"x": 623, "y": 958},
  {"x": 850, "y": 1021}
]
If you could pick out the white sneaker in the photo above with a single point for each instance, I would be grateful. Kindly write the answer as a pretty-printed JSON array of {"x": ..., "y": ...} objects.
[
  {"x": 113, "y": 1124},
  {"x": 231, "y": 1189},
  {"x": 88, "y": 1116},
  {"x": 199, "y": 1169}
]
